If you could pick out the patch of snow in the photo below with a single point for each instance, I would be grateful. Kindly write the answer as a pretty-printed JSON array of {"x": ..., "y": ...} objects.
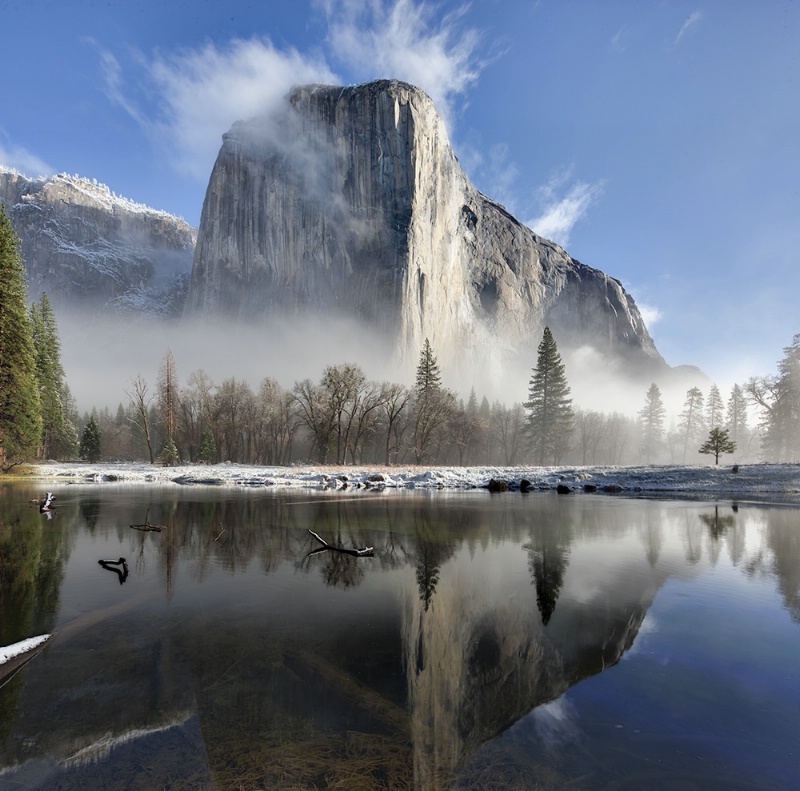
[
  {"x": 16, "y": 649},
  {"x": 752, "y": 479}
]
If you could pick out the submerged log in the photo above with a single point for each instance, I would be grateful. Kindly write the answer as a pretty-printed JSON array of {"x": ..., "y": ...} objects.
[{"x": 359, "y": 553}]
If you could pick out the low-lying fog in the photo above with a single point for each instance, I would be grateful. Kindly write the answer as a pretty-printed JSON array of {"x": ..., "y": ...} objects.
[{"x": 102, "y": 355}]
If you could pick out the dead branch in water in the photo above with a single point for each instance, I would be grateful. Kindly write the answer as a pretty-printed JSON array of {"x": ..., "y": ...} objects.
[
  {"x": 358, "y": 553},
  {"x": 147, "y": 527}
]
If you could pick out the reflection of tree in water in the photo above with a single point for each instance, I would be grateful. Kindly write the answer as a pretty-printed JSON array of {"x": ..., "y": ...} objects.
[
  {"x": 652, "y": 536},
  {"x": 90, "y": 511},
  {"x": 431, "y": 552},
  {"x": 342, "y": 571},
  {"x": 31, "y": 570},
  {"x": 693, "y": 541},
  {"x": 427, "y": 571},
  {"x": 783, "y": 538},
  {"x": 338, "y": 528},
  {"x": 717, "y": 524},
  {"x": 548, "y": 558}
]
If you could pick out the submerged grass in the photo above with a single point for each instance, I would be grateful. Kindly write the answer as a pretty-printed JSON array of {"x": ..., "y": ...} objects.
[{"x": 342, "y": 762}]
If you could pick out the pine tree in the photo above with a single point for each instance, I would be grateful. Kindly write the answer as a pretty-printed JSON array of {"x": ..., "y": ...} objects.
[
  {"x": 208, "y": 448},
  {"x": 429, "y": 378},
  {"x": 718, "y": 442},
  {"x": 58, "y": 431},
  {"x": 432, "y": 404},
  {"x": 714, "y": 408},
  {"x": 736, "y": 415},
  {"x": 20, "y": 416},
  {"x": 652, "y": 416},
  {"x": 691, "y": 424},
  {"x": 550, "y": 417},
  {"x": 90, "y": 441}
]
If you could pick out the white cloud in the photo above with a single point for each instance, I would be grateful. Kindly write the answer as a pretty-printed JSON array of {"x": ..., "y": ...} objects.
[
  {"x": 403, "y": 40},
  {"x": 202, "y": 92},
  {"x": 20, "y": 159},
  {"x": 692, "y": 20},
  {"x": 562, "y": 210},
  {"x": 185, "y": 101},
  {"x": 650, "y": 313}
]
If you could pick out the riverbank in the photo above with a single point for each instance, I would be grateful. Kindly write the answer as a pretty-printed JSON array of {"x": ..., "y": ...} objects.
[{"x": 742, "y": 480}]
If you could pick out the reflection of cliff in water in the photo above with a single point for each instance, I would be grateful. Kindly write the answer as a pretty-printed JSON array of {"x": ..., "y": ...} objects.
[
  {"x": 252, "y": 662},
  {"x": 481, "y": 656}
]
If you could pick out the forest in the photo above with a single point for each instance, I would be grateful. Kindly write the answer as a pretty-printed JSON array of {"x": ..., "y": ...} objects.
[{"x": 344, "y": 418}]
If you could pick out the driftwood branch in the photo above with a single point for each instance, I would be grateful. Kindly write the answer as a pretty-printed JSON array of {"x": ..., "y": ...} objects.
[
  {"x": 358, "y": 553},
  {"x": 147, "y": 527}
]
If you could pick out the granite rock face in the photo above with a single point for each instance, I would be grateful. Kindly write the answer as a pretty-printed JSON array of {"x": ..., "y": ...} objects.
[
  {"x": 351, "y": 201},
  {"x": 90, "y": 249}
]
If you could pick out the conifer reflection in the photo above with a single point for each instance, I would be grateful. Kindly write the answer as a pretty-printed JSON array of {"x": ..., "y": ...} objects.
[
  {"x": 717, "y": 524},
  {"x": 548, "y": 558}
]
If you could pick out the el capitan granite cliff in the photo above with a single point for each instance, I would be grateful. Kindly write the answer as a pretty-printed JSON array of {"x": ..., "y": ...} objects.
[{"x": 350, "y": 201}]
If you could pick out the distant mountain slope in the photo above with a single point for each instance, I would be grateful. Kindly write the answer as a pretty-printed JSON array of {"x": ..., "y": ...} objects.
[{"x": 90, "y": 249}]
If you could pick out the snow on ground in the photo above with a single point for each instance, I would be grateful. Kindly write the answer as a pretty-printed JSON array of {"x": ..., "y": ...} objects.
[
  {"x": 17, "y": 649},
  {"x": 751, "y": 479}
]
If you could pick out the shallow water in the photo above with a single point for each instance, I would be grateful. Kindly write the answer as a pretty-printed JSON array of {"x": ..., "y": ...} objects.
[{"x": 492, "y": 641}]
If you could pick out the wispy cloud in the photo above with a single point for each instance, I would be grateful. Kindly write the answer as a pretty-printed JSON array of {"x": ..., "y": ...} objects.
[
  {"x": 690, "y": 22},
  {"x": 184, "y": 101},
  {"x": 619, "y": 41},
  {"x": 563, "y": 205},
  {"x": 493, "y": 171},
  {"x": 405, "y": 40},
  {"x": 19, "y": 158},
  {"x": 201, "y": 92}
]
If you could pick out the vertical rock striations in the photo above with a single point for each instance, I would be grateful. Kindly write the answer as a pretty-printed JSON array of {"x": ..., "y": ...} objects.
[{"x": 351, "y": 201}]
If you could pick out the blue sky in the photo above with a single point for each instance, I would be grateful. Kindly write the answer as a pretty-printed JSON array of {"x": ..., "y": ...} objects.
[{"x": 658, "y": 141}]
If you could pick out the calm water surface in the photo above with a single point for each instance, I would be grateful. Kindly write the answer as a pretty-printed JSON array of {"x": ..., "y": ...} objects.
[{"x": 492, "y": 642}]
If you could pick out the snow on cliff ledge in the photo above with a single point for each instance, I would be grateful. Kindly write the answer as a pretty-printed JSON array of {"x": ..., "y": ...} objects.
[{"x": 756, "y": 479}]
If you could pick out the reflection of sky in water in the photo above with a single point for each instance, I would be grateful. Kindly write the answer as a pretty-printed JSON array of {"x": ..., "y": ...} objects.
[
  {"x": 713, "y": 673},
  {"x": 489, "y": 625}
]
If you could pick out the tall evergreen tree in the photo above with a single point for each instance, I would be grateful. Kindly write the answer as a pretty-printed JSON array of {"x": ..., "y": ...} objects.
[
  {"x": 208, "y": 448},
  {"x": 90, "y": 441},
  {"x": 550, "y": 416},
  {"x": 736, "y": 415},
  {"x": 652, "y": 416},
  {"x": 715, "y": 408},
  {"x": 692, "y": 424},
  {"x": 432, "y": 404},
  {"x": 58, "y": 430},
  {"x": 429, "y": 378},
  {"x": 20, "y": 416}
]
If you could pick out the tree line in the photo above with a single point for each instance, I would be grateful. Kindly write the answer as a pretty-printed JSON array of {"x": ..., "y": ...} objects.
[
  {"x": 38, "y": 419},
  {"x": 344, "y": 418}
]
